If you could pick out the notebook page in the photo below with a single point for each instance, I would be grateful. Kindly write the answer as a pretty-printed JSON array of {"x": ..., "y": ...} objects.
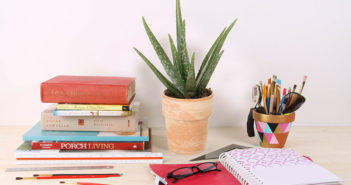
[{"x": 313, "y": 174}]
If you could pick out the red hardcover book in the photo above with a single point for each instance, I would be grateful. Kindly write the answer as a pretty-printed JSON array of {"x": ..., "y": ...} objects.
[
  {"x": 87, "y": 145},
  {"x": 88, "y": 89}
]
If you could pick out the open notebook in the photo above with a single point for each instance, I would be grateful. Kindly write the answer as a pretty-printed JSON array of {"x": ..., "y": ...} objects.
[{"x": 275, "y": 167}]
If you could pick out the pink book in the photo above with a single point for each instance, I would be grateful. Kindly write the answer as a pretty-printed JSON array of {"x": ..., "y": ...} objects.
[{"x": 88, "y": 89}]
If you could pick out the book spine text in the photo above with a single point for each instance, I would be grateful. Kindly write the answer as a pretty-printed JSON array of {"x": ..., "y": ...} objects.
[
  {"x": 87, "y": 146},
  {"x": 93, "y": 107},
  {"x": 91, "y": 113}
]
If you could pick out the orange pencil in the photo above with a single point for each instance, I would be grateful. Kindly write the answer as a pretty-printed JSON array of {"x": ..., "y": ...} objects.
[
  {"x": 272, "y": 96},
  {"x": 264, "y": 98}
]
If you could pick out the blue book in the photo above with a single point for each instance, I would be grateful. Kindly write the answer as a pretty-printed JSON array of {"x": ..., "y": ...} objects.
[{"x": 36, "y": 134}]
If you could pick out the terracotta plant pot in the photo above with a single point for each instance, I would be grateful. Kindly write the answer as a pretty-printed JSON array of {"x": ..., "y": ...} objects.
[
  {"x": 273, "y": 130},
  {"x": 186, "y": 123}
]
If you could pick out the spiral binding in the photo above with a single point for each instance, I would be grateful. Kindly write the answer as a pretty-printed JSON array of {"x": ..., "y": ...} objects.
[{"x": 241, "y": 173}]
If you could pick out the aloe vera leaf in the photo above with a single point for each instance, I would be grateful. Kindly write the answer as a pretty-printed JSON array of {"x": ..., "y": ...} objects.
[
  {"x": 190, "y": 85},
  {"x": 179, "y": 27},
  {"x": 213, "y": 61},
  {"x": 207, "y": 76},
  {"x": 175, "y": 55},
  {"x": 159, "y": 75},
  {"x": 167, "y": 65},
  {"x": 209, "y": 53},
  {"x": 184, "y": 29},
  {"x": 181, "y": 43}
]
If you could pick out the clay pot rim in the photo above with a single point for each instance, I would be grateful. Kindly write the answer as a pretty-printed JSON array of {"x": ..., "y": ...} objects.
[{"x": 188, "y": 100}]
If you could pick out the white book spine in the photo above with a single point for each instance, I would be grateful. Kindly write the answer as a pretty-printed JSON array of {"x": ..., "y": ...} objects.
[
  {"x": 243, "y": 175},
  {"x": 90, "y": 113},
  {"x": 84, "y": 154},
  {"x": 83, "y": 157},
  {"x": 158, "y": 161},
  {"x": 88, "y": 123}
]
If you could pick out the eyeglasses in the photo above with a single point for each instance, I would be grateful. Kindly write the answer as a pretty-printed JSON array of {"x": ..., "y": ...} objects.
[{"x": 184, "y": 172}]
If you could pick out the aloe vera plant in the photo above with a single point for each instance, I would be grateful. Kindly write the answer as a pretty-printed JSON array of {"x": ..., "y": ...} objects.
[{"x": 183, "y": 82}]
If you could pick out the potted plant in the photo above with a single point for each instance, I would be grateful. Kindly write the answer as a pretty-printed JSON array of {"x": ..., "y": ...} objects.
[{"x": 186, "y": 103}]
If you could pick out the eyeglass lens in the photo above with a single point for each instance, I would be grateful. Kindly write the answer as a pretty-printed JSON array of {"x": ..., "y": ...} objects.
[
  {"x": 207, "y": 167},
  {"x": 184, "y": 172}
]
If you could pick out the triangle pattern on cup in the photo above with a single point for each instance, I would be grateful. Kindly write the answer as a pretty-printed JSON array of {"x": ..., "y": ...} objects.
[
  {"x": 273, "y": 126},
  {"x": 258, "y": 127},
  {"x": 264, "y": 139},
  {"x": 262, "y": 125},
  {"x": 278, "y": 130},
  {"x": 285, "y": 127},
  {"x": 274, "y": 140},
  {"x": 269, "y": 137},
  {"x": 268, "y": 130},
  {"x": 260, "y": 136}
]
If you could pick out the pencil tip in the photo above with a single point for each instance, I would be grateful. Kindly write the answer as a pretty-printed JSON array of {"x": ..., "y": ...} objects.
[
  {"x": 19, "y": 178},
  {"x": 279, "y": 82},
  {"x": 305, "y": 78}
]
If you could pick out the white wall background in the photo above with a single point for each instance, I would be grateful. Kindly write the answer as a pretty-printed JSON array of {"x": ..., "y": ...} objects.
[{"x": 40, "y": 39}]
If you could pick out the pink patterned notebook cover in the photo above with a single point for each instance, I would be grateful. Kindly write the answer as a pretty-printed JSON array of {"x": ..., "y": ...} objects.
[
  {"x": 256, "y": 158},
  {"x": 275, "y": 167}
]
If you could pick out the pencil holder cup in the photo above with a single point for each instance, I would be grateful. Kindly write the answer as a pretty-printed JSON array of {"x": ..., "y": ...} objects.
[{"x": 273, "y": 130}]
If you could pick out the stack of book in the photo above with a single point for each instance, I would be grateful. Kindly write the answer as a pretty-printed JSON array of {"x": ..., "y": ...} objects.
[{"x": 93, "y": 120}]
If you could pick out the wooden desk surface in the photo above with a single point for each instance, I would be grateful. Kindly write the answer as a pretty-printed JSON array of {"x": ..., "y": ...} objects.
[{"x": 327, "y": 146}]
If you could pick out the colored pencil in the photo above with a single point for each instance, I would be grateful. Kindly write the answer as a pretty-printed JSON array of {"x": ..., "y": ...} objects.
[
  {"x": 81, "y": 183},
  {"x": 73, "y": 174},
  {"x": 264, "y": 98},
  {"x": 272, "y": 95},
  {"x": 303, "y": 84},
  {"x": 279, "y": 83}
]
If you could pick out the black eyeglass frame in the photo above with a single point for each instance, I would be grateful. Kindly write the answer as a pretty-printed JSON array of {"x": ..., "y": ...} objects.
[{"x": 178, "y": 177}]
